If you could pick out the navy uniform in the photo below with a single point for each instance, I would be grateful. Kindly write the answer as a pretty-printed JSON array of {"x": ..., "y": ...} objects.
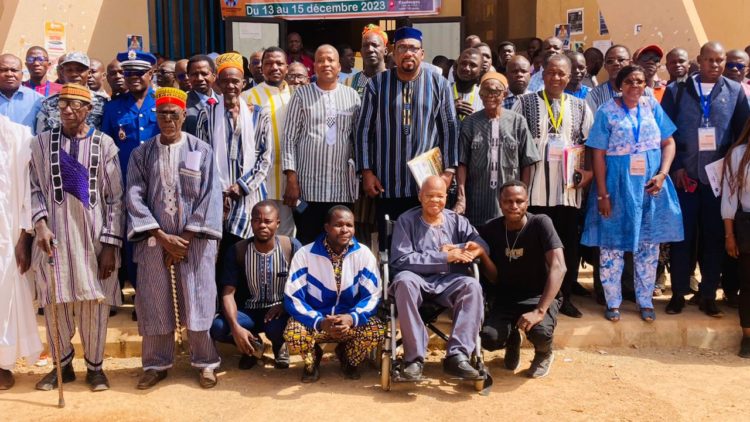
[
  {"x": 48, "y": 117},
  {"x": 130, "y": 125}
]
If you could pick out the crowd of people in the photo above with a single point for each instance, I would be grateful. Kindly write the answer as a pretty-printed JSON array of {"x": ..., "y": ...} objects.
[{"x": 239, "y": 196}]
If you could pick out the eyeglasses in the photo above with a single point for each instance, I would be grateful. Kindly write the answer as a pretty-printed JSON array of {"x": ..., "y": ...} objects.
[
  {"x": 401, "y": 49},
  {"x": 736, "y": 66},
  {"x": 618, "y": 60},
  {"x": 649, "y": 57},
  {"x": 164, "y": 72},
  {"x": 296, "y": 77},
  {"x": 74, "y": 105},
  {"x": 168, "y": 116},
  {"x": 139, "y": 73},
  {"x": 255, "y": 62},
  {"x": 634, "y": 82},
  {"x": 491, "y": 93},
  {"x": 36, "y": 59}
]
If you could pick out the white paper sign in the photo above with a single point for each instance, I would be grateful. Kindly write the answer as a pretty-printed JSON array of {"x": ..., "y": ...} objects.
[
  {"x": 250, "y": 31},
  {"x": 715, "y": 171}
]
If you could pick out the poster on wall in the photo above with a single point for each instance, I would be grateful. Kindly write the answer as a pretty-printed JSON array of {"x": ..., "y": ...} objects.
[
  {"x": 579, "y": 46},
  {"x": 54, "y": 40},
  {"x": 328, "y": 9},
  {"x": 575, "y": 21},
  {"x": 562, "y": 32},
  {"x": 135, "y": 42},
  {"x": 603, "y": 30}
]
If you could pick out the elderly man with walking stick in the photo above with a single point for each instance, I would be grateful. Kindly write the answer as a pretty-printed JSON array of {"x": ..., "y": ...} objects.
[{"x": 76, "y": 208}]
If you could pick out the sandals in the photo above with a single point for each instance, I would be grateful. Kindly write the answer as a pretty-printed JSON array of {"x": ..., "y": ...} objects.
[
  {"x": 612, "y": 314},
  {"x": 648, "y": 314}
]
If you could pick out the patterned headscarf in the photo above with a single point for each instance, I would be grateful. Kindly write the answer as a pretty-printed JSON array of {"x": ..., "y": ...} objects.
[{"x": 374, "y": 29}]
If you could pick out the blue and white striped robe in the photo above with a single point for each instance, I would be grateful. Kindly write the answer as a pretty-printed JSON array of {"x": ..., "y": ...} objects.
[
  {"x": 200, "y": 211},
  {"x": 310, "y": 294}
]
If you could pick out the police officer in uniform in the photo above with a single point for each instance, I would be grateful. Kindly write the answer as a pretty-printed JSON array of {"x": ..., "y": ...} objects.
[{"x": 130, "y": 119}]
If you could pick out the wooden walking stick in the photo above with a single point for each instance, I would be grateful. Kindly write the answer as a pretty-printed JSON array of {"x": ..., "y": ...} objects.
[
  {"x": 55, "y": 331},
  {"x": 177, "y": 326}
]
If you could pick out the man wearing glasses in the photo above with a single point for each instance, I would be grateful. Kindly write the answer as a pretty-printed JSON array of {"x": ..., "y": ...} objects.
[
  {"x": 74, "y": 69},
  {"x": 130, "y": 119},
  {"x": 297, "y": 75},
  {"x": 18, "y": 103},
  {"x": 736, "y": 68},
  {"x": 649, "y": 58},
  {"x": 37, "y": 61},
  {"x": 180, "y": 73},
  {"x": 405, "y": 112},
  {"x": 165, "y": 76}
]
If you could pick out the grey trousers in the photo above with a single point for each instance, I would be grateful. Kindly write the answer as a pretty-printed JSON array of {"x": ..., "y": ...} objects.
[
  {"x": 91, "y": 317},
  {"x": 462, "y": 294},
  {"x": 158, "y": 351}
]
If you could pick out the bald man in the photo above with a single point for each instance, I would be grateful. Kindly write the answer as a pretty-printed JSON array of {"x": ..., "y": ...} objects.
[
  {"x": 518, "y": 71},
  {"x": 677, "y": 65},
  {"x": 180, "y": 73},
  {"x": 737, "y": 67},
  {"x": 317, "y": 145},
  {"x": 116, "y": 79},
  {"x": 550, "y": 46},
  {"x": 19, "y": 103},
  {"x": 709, "y": 111},
  {"x": 430, "y": 251}
]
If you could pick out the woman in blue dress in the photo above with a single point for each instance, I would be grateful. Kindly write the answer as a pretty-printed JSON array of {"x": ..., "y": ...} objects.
[{"x": 633, "y": 204}]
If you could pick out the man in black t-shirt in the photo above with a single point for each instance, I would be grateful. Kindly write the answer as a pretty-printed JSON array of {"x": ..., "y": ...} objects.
[{"x": 526, "y": 291}]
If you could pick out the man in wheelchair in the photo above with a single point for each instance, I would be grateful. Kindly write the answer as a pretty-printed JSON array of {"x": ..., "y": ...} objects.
[
  {"x": 430, "y": 250},
  {"x": 526, "y": 266}
]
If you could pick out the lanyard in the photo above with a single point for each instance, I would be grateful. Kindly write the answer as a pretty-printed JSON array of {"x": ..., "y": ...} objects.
[
  {"x": 705, "y": 100},
  {"x": 471, "y": 97},
  {"x": 46, "y": 89},
  {"x": 556, "y": 123},
  {"x": 611, "y": 91},
  {"x": 636, "y": 126}
]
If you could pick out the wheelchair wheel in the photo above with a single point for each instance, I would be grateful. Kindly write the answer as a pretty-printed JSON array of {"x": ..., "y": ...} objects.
[
  {"x": 479, "y": 385},
  {"x": 385, "y": 372}
]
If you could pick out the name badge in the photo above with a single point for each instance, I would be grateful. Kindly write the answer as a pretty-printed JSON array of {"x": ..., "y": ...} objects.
[
  {"x": 637, "y": 165},
  {"x": 707, "y": 138},
  {"x": 555, "y": 148}
]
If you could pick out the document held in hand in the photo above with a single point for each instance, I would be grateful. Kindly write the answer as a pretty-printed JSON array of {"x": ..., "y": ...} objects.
[
  {"x": 426, "y": 164},
  {"x": 573, "y": 159}
]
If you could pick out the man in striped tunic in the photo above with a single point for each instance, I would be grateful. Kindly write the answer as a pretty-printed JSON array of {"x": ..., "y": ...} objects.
[
  {"x": 317, "y": 147},
  {"x": 76, "y": 198},
  {"x": 175, "y": 209},
  {"x": 255, "y": 271},
  {"x": 273, "y": 94},
  {"x": 406, "y": 111},
  {"x": 617, "y": 57},
  {"x": 558, "y": 123}
]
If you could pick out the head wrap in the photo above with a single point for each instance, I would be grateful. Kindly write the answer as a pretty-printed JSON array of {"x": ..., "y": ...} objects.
[
  {"x": 169, "y": 95},
  {"x": 374, "y": 29},
  {"x": 228, "y": 60},
  {"x": 406, "y": 32},
  {"x": 136, "y": 60},
  {"x": 75, "y": 92},
  {"x": 496, "y": 76}
]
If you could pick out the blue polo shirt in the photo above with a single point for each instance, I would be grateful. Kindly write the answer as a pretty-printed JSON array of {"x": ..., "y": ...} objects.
[{"x": 22, "y": 106}]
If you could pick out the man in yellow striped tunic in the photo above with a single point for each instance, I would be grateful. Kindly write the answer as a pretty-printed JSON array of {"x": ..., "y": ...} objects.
[{"x": 274, "y": 94}]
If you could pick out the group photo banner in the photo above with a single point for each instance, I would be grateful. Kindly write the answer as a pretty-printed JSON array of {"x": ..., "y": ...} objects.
[{"x": 328, "y": 9}]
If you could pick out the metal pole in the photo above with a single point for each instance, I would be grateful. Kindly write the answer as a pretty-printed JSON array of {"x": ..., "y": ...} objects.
[{"x": 54, "y": 329}]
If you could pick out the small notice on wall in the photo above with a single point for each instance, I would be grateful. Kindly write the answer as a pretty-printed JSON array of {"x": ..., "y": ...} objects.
[
  {"x": 54, "y": 40},
  {"x": 575, "y": 21}
]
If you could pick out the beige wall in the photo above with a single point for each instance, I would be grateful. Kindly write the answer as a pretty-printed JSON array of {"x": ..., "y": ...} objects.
[
  {"x": 450, "y": 8},
  {"x": 97, "y": 27}
]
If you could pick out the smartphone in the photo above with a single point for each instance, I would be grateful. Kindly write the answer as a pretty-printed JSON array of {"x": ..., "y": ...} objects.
[
  {"x": 301, "y": 206},
  {"x": 690, "y": 185}
]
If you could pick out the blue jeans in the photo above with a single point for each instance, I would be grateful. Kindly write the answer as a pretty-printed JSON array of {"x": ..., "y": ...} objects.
[
  {"x": 251, "y": 320},
  {"x": 701, "y": 213}
]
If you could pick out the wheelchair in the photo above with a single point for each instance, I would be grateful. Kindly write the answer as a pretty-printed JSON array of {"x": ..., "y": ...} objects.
[{"x": 390, "y": 362}]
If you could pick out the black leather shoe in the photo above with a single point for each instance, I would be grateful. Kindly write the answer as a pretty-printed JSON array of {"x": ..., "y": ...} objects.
[
  {"x": 709, "y": 307},
  {"x": 6, "y": 379},
  {"x": 568, "y": 309},
  {"x": 49, "y": 382},
  {"x": 675, "y": 305},
  {"x": 458, "y": 365},
  {"x": 97, "y": 380},
  {"x": 745, "y": 348},
  {"x": 412, "y": 370},
  {"x": 281, "y": 358},
  {"x": 513, "y": 350},
  {"x": 150, "y": 378},
  {"x": 541, "y": 365},
  {"x": 247, "y": 362}
]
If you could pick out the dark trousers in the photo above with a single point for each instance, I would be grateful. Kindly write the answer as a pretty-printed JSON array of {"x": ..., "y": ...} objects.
[
  {"x": 393, "y": 208},
  {"x": 701, "y": 217},
  {"x": 744, "y": 297},
  {"x": 565, "y": 220},
  {"x": 310, "y": 222},
  {"x": 730, "y": 278},
  {"x": 502, "y": 319},
  {"x": 251, "y": 320}
]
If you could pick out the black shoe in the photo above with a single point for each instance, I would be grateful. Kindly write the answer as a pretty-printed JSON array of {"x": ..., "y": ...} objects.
[
  {"x": 458, "y": 365},
  {"x": 6, "y": 379},
  {"x": 311, "y": 371},
  {"x": 708, "y": 306},
  {"x": 247, "y": 362},
  {"x": 567, "y": 308},
  {"x": 732, "y": 300},
  {"x": 134, "y": 316},
  {"x": 676, "y": 304},
  {"x": 579, "y": 290},
  {"x": 513, "y": 350},
  {"x": 112, "y": 311},
  {"x": 350, "y": 371},
  {"x": 49, "y": 382},
  {"x": 412, "y": 370},
  {"x": 97, "y": 380},
  {"x": 281, "y": 358},
  {"x": 541, "y": 365},
  {"x": 695, "y": 300},
  {"x": 150, "y": 378},
  {"x": 745, "y": 348}
]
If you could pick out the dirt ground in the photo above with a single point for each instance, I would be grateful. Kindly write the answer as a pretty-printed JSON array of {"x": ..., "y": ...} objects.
[{"x": 609, "y": 384}]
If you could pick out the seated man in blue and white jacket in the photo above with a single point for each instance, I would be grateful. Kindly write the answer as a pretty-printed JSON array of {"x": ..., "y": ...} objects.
[{"x": 332, "y": 295}]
